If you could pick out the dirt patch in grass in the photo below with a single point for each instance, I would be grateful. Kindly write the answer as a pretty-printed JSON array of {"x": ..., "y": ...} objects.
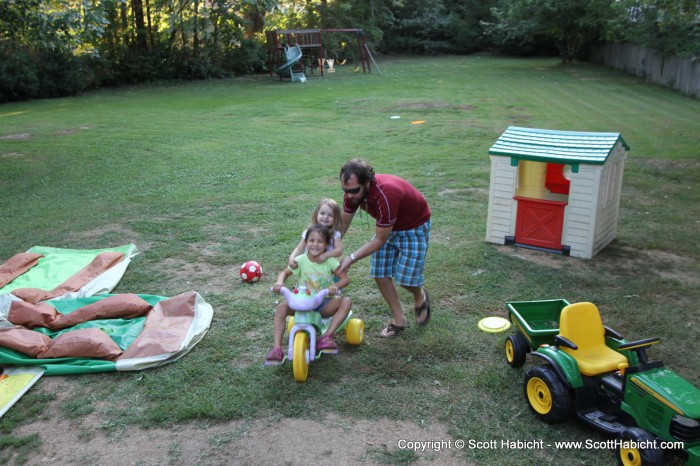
[
  {"x": 666, "y": 164},
  {"x": 437, "y": 104},
  {"x": 201, "y": 276},
  {"x": 103, "y": 234},
  {"x": 544, "y": 259},
  {"x": 16, "y": 137},
  {"x": 330, "y": 440},
  {"x": 471, "y": 123},
  {"x": 423, "y": 105},
  {"x": 623, "y": 258},
  {"x": 459, "y": 193}
]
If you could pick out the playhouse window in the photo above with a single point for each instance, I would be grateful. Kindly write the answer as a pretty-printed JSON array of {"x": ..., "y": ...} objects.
[
  {"x": 612, "y": 184},
  {"x": 557, "y": 178}
]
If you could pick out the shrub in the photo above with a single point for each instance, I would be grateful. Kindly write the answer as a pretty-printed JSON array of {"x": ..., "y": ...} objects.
[
  {"x": 60, "y": 73},
  {"x": 18, "y": 79},
  {"x": 248, "y": 58}
]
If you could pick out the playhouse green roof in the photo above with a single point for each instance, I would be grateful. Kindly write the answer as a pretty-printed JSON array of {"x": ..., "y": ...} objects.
[{"x": 543, "y": 145}]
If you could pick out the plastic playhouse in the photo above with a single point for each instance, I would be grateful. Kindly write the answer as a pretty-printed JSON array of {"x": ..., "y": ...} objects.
[{"x": 557, "y": 191}]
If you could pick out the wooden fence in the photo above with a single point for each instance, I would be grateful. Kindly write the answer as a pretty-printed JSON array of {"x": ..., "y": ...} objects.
[{"x": 682, "y": 74}]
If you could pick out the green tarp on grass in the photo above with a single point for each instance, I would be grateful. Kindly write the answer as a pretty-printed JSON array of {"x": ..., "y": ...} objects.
[
  {"x": 59, "y": 264},
  {"x": 167, "y": 332},
  {"x": 181, "y": 322}
]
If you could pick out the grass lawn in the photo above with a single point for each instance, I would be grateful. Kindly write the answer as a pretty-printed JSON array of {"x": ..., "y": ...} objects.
[{"x": 203, "y": 176}]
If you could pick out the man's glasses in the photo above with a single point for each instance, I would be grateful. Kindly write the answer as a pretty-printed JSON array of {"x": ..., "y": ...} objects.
[{"x": 352, "y": 190}]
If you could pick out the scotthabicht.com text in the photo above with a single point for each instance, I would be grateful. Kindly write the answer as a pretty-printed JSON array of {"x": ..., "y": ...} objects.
[{"x": 504, "y": 444}]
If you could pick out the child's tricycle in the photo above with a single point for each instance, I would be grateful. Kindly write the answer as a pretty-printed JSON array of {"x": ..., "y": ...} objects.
[
  {"x": 608, "y": 382},
  {"x": 307, "y": 325}
]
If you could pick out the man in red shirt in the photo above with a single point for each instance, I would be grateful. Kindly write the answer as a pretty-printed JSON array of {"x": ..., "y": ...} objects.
[{"x": 400, "y": 245}]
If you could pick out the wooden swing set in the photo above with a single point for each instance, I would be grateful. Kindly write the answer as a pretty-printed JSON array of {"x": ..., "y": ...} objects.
[{"x": 310, "y": 41}]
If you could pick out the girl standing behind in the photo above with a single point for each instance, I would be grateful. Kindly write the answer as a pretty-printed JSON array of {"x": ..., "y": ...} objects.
[{"x": 327, "y": 213}]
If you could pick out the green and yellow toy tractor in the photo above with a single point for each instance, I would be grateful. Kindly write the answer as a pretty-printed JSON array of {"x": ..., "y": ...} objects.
[{"x": 608, "y": 382}]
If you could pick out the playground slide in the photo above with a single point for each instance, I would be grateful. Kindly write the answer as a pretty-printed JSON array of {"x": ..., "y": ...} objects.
[{"x": 293, "y": 56}]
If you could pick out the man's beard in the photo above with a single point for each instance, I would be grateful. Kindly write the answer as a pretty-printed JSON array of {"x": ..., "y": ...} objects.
[{"x": 359, "y": 201}]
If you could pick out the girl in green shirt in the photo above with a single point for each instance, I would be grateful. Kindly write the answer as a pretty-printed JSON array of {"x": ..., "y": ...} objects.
[{"x": 313, "y": 277}]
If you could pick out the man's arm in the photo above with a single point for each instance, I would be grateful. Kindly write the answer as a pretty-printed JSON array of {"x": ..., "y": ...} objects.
[
  {"x": 346, "y": 220},
  {"x": 381, "y": 236}
]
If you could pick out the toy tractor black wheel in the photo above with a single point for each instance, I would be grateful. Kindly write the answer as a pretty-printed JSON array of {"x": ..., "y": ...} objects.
[
  {"x": 630, "y": 453},
  {"x": 547, "y": 396},
  {"x": 516, "y": 350}
]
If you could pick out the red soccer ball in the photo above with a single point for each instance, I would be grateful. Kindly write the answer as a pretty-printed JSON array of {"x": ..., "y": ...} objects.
[{"x": 251, "y": 272}]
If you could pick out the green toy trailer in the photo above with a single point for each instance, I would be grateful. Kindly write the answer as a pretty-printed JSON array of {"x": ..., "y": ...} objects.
[
  {"x": 537, "y": 323},
  {"x": 610, "y": 383}
]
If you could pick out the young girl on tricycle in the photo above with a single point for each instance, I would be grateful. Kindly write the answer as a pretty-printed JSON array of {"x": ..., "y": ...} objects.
[{"x": 312, "y": 277}]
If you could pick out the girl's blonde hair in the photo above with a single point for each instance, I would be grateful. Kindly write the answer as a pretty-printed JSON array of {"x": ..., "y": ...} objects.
[{"x": 336, "y": 214}]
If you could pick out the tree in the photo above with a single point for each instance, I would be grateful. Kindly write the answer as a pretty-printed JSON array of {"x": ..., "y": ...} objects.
[
  {"x": 570, "y": 24},
  {"x": 140, "y": 24},
  {"x": 37, "y": 40},
  {"x": 417, "y": 26},
  {"x": 465, "y": 30},
  {"x": 668, "y": 26},
  {"x": 254, "y": 11}
]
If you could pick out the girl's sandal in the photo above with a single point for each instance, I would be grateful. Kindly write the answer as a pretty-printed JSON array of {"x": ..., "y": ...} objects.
[
  {"x": 392, "y": 330},
  {"x": 274, "y": 357}
]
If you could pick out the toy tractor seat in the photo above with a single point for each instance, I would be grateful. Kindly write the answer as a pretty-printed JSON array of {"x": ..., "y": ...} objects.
[{"x": 580, "y": 323}]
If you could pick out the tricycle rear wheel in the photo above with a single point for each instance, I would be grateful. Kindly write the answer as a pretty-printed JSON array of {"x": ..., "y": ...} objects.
[
  {"x": 355, "y": 331},
  {"x": 546, "y": 395},
  {"x": 516, "y": 350}
]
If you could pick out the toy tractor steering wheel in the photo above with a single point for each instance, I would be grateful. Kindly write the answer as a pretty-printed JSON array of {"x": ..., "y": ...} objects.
[{"x": 639, "y": 347}]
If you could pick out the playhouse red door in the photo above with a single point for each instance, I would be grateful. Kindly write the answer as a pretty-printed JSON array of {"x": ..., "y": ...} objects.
[{"x": 539, "y": 222}]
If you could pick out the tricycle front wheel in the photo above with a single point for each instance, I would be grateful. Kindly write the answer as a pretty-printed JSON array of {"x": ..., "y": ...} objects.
[
  {"x": 300, "y": 359},
  {"x": 516, "y": 350}
]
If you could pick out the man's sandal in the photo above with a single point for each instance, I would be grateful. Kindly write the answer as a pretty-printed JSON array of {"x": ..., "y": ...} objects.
[
  {"x": 423, "y": 307},
  {"x": 392, "y": 330}
]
